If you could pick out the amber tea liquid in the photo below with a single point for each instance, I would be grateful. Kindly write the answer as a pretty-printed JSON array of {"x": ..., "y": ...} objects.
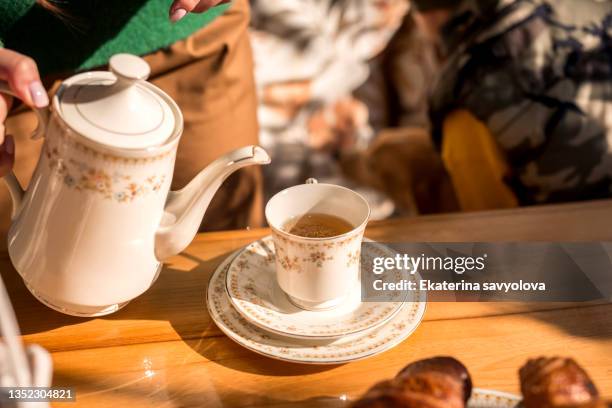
[{"x": 316, "y": 225}]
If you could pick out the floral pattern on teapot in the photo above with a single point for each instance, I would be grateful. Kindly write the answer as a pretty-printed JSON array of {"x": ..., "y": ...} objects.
[{"x": 116, "y": 186}]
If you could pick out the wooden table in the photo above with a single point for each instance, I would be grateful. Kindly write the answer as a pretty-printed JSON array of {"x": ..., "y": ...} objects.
[{"x": 163, "y": 350}]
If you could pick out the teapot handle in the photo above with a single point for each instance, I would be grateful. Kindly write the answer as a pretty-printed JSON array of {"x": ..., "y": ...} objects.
[
  {"x": 15, "y": 189},
  {"x": 41, "y": 113}
]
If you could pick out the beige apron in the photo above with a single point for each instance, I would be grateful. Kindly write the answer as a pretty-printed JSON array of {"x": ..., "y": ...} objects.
[{"x": 210, "y": 76}]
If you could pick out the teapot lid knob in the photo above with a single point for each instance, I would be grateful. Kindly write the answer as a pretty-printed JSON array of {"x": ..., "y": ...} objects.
[{"x": 129, "y": 67}]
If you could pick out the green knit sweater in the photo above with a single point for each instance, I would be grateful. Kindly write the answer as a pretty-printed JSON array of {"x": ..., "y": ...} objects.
[{"x": 93, "y": 30}]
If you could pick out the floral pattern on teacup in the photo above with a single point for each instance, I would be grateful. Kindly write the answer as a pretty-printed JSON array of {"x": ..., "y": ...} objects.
[
  {"x": 319, "y": 252},
  {"x": 322, "y": 245},
  {"x": 327, "y": 266},
  {"x": 291, "y": 264},
  {"x": 353, "y": 258},
  {"x": 317, "y": 258}
]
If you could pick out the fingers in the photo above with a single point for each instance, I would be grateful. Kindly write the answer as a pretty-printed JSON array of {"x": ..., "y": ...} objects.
[
  {"x": 180, "y": 8},
  {"x": 21, "y": 73},
  {"x": 7, "y": 155},
  {"x": 5, "y": 106}
]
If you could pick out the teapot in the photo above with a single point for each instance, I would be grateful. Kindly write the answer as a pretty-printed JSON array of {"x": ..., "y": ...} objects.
[{"x": 98, "y": 218}]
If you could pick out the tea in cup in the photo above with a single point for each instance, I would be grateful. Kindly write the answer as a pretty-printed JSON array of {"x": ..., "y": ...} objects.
[{"x": 317, "y": 231}]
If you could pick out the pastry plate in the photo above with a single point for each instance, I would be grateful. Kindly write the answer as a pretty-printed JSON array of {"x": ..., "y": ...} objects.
[
  {"x": 482, "y": 398},
  {"x": 338, "y": 351},
  {"x": 254, "y": 292}
]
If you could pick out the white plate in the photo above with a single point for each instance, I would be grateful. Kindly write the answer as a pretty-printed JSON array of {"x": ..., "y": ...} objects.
[
  {"x": 482, "y": 398},
  {"x": 253, "y": 290},
  {"x": 351, "y": 348}
]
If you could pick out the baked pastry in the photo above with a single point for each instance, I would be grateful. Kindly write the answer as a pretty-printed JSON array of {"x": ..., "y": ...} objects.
[
  {"x": 557, "y": 383},
  {"x": 445, "y": 369},
  {"x": 388, "y": 394},
  {"x": 443, "y": 382},
  {"x": 440, "y": 382}
]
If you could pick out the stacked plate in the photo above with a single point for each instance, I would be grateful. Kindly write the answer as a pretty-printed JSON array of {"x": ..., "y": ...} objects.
[{"x": 247, "y": 304}]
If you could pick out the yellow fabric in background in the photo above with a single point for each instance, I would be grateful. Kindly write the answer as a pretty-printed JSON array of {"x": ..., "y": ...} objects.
[{"x": 475, "y": 163}]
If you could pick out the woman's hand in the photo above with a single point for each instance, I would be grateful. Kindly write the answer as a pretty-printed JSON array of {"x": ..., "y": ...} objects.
[
  {"x": 180, "y": 8},
  {"x": 21, "y": 75}
]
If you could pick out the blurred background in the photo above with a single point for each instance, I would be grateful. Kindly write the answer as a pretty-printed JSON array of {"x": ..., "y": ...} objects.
[
  {"x": 423, "y": 106},
  {"x": 437, "y": 106}
]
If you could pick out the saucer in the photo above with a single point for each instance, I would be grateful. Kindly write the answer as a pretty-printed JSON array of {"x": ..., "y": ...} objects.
[
  {"x": 343, "y": 350},
  {"x": 254, "y": 292}
]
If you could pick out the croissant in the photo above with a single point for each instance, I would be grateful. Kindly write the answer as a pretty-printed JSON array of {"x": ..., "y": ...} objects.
[
  {"x": 440, "y": 382},
  {"x": 557, "y": 383},
  {"x": 389, "y": 394},
  {"x": 448, "y": 368}
]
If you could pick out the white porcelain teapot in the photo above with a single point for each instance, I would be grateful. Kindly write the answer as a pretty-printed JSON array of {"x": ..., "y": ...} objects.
[{"x": 89, "y": 233}]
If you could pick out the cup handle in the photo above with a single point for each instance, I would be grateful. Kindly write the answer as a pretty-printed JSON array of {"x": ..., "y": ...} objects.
[
  {"x": 15, "y": 189},
  {"x": 311, "y": 180}
]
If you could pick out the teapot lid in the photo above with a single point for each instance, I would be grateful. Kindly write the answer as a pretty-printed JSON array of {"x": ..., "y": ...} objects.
[{"x": 118, "y": 108}]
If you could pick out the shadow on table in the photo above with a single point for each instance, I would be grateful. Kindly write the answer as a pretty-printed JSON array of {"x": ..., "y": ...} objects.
[
  {"x": 580, "y": 320},
  {"x": 179, "y": 297},
  {"x": 206, "y": 339},
  {"x": 188, "y": 315},
  {"x": 33, "y": 316}
]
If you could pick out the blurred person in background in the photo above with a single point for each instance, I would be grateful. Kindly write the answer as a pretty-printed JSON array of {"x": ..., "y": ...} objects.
[
  {"x": 401, "y": 160},
  {"x": 538, "y": 75},
  {"x": 199, "y": 53},
  {"x": 310, "y": 58}
]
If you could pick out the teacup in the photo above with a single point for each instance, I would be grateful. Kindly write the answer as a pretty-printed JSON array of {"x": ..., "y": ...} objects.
[{"x": 317, "y": 273}]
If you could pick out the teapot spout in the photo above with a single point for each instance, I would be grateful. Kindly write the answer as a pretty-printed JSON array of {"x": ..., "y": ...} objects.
[{"x": 185, "y": 208}]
